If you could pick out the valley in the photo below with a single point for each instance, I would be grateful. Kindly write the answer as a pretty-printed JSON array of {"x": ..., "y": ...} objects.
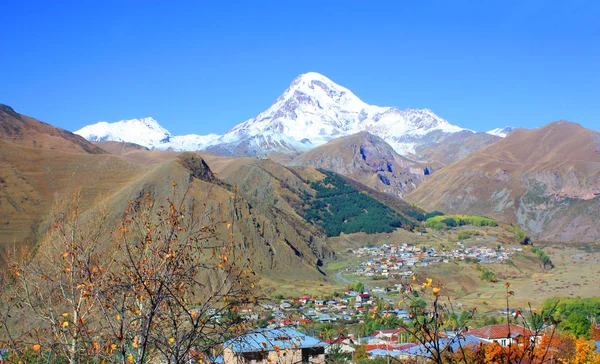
[
  {"x": 329, "y": 234},
  {"x": 293, "y": 182},
  {"x": 288, "y": 215}
]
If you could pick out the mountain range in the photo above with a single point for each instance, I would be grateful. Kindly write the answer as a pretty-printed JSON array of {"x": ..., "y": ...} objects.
[
  {"x": 544, "y": 180},
  {"x": 311, "y": 111}
]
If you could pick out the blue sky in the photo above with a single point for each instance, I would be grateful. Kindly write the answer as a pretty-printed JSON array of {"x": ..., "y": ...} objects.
[{"x": 205, "y": 66}]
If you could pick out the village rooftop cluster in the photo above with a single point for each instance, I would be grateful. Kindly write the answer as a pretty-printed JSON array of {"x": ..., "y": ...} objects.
[
  {"x": 399, "y": 259},
  {"x": 348, "y": 306}
]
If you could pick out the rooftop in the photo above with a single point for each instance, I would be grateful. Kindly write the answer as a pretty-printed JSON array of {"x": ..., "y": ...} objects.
[
  {"x": 268, "y": 339},
  {"x": 500, "y": 331}
]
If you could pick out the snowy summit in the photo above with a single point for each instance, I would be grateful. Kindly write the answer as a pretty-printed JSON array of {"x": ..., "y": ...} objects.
[
  {"x": 501, "y": 132},
  {"x": 311, "y": 111}
]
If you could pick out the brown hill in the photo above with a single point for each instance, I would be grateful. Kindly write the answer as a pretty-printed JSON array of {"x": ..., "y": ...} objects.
[
  {"x": 39, "y": 163},
  {"x": 546, "y": 180},
  {"x": 220, "y": 165},
  {"x": 25, "y": 131},
  {"x": 119, "y": 148},
  {"x": 367, "y": 159}
]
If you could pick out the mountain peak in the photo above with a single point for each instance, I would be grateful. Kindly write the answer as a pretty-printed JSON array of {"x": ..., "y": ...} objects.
[
  {"x": 318, "y": 90},
  {"x": 311, "y": 76},
  {"x": 501, "y": 132},
  {"x": 145, "y": 131}
]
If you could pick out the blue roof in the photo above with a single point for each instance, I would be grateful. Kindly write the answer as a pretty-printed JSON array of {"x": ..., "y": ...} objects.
[
  {"x": 449, "y": 344},
  {"x": 267, "y": 339},
  {"x": 219, "y": 359},
  {"x": 383, "y": 352},
  {"x": 597, "y": 342}
]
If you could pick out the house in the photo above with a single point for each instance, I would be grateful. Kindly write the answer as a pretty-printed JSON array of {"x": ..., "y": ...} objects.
[
  {"x": 391, "y": 335},
  {"x": 282, "y": 345},
  {"x": 503, "y": 334},
  {"x": 341, "y": 344},
  {"x": 376, "y": 353},
  {"x": 305, "y": 299}
]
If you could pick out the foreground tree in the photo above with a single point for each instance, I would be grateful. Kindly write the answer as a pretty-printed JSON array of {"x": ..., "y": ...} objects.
[
  {"x": 159, "y": 287},
  {"x": 53, "y": 283}
]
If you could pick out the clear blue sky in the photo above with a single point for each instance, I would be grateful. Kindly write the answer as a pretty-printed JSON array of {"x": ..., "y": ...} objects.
[{"x": 204, "y": 66}]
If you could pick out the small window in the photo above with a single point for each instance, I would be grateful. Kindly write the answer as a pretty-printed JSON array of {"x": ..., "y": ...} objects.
[{"x": 255, "y": 356}]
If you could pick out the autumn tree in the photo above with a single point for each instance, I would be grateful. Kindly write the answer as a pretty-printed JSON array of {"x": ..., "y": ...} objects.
[
  {"x": 52, "y": 284},
  {"x": 164, "y": 285},
  {"x": 178, "y": 290},
  {"x": 432, "y": 316}
]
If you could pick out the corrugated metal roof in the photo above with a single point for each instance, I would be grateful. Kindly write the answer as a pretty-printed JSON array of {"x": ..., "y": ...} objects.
[
  {"x": 446, "y": 344},
  {"x": 268, "y": 339},
  {"x": 501, "y": 331},
  {"x": 383, "y": 352}
]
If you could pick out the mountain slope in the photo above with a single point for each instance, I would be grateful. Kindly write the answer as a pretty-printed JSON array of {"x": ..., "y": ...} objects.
[
  {"x": 303, "y": 190},
  {"x": 368, "y": 159},
  {"x": 309, "y": 113},
  {"x": 452, "y": 147},
  {"x": 26, "y": 131},
  {"x": 547, "y": 180},
  {"x": 37, "y": 166}
]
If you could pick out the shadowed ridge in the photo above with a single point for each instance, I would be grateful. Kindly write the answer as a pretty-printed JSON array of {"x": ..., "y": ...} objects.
[{"x": 367, "y": 159}]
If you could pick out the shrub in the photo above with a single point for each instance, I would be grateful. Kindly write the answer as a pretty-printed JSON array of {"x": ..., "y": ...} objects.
[{"x": 444, "y": 221}]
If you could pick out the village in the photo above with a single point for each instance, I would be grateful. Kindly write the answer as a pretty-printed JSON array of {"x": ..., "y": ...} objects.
[
  {"x": 397, "y": 260},
  {"x": 307, "y": 317}
]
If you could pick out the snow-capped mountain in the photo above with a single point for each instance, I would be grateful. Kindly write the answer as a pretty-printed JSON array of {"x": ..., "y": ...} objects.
[
  {"x": 311, "y": 112},
  {"x": 146, "y": 132},
  {"x": 501, "y": 132},
  {"x": 315, "y": 110}
]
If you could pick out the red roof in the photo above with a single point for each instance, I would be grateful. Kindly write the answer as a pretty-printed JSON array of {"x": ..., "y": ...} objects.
[
  {"x": 404, "y": 346},
  {"x": 500, "y": 331},
  {"x": 370, "y": 347}
]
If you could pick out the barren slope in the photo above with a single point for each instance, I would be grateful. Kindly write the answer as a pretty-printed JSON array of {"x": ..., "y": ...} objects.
[
  {"x": 547, "y": 180},
  {"x": 452, "y": 148}
]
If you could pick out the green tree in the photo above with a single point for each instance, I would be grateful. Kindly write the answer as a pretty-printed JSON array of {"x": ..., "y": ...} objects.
[{"x": 577, "y": 324}]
